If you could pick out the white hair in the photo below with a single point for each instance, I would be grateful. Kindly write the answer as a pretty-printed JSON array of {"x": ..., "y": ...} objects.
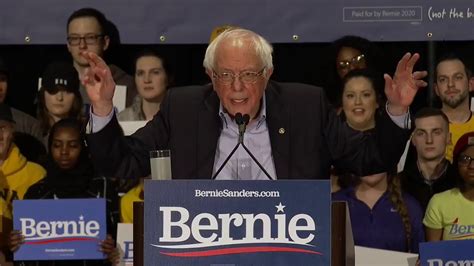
[{"x": 238, "y": 36}]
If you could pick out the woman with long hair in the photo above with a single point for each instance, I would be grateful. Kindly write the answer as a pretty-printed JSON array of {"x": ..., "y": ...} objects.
[
  {"x": 153, "y": 76},
  {"x": 381, "y": 215},
  {"x": 59, "y": 96}
]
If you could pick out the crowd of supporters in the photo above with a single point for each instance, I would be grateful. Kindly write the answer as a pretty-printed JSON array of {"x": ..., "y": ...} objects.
[{"x": 46, "y": 157}]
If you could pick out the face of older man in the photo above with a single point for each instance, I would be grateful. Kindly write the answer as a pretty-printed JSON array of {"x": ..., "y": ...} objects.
[{"x": 239, "y": 77}]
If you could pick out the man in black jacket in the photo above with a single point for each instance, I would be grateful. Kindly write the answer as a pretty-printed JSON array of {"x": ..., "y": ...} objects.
[
  {"x": 292, "y": 130},
  {"x": 431, "y": 172}
]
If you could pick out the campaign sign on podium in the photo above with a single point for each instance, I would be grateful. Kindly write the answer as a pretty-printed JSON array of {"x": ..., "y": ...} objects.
[
  {"x": 447, "y": 253},
  {"x": 65, "y": 229},
  {"x": 204, "y": 222}
]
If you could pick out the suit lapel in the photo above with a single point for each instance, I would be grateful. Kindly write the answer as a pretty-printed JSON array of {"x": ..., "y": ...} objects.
[
  {"x": 209, "y": 128},
  {"x": 278, "y": 122}
]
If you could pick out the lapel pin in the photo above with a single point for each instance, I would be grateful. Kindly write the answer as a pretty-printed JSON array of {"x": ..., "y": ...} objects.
[{"x": 281, "y": 131}]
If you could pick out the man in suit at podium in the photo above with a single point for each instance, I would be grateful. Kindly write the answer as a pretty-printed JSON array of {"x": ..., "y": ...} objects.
[{"x": 293, "y": 132}]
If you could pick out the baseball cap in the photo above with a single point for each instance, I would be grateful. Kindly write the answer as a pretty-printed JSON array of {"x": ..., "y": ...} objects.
[
  {"x": 60, "y": 75},
  {"x": 6, "y": 113},
  {"x": 465, "y": 140}
]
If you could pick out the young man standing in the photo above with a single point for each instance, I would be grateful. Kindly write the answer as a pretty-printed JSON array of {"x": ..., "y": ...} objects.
[{"x": 431, "y": 172}]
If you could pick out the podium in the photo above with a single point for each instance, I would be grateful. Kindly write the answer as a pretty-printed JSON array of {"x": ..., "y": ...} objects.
[
  {"x": 342, "y": 242},
  {"x": 138, "y": 233},
  {"x": 342, "y": 248}
]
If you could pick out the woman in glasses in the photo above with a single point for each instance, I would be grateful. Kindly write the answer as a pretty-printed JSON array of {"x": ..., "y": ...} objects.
[
  {"x": 450, "y": 214},
  {"x": 350, "y": 52},
  {"x": 59, "y": 96},
  {"x": 152, "y": 78}
]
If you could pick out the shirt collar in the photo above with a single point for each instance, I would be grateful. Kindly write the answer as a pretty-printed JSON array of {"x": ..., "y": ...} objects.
[
  {"x": 261, "y": 117},
  {"x": 439, "y": 170}
]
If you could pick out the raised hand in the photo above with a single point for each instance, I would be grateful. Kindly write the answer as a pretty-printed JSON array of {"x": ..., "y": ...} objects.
[
  {"x": 100, "y": 86},
  {"x": 107, "y": 247},
  {"x": 401, "y": 90}
]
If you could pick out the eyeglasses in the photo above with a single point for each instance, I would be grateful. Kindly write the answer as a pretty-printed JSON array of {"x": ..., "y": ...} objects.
[
  {"x": 88, "y": 39},
  {"x": 353, "y": 61},
  {"x": 464, "y": 160},
  {"x": 247, "y": 77}
]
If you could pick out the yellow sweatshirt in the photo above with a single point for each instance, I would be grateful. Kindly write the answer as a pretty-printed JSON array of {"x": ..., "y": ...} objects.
[{"x": 16, "y": 176}]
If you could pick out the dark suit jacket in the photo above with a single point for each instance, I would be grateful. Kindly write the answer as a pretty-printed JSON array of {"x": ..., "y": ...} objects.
[{"x": 189, "y": 125}]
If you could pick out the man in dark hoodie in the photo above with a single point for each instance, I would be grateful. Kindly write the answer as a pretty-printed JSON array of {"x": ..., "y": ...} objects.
[{"x": 431, "y": 172}]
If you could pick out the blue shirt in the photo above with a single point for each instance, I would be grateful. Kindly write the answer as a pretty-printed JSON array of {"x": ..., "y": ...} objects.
[
  {"x": 256, "y": 139},
  {"x": 382, "y": 227}
]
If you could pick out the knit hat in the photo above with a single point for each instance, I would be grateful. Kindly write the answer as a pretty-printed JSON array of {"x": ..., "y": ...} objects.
[
  {"x": 60, "y": 74},
  {"x": 466, "y": 140}
]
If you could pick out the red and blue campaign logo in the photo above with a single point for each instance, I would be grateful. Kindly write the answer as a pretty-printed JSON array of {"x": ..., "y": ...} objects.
[
  {"x": 66, "y": 229},
  {"x": 447, "y": 253},
  {"x": 204, "y": 222}
]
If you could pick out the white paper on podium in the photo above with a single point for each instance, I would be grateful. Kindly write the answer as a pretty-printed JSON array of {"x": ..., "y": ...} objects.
[
  {"x": 125, "y": 234},
  {"x": 373, "y": 256},
  {"x": 120, "y": 97},
  {"x": 350, "y": 247},
  {"x": 129, "y": 127}
]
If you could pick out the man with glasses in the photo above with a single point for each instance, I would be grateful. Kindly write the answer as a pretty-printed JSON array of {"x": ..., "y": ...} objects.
[
  {"x": 87, "y": 31},
  {"x": 292, "y": 131}
]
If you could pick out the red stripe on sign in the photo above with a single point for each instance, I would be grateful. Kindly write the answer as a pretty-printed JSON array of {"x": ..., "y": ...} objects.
[
  {"x": 228, "y": 251},
  {"x": 56, "y": 240}
]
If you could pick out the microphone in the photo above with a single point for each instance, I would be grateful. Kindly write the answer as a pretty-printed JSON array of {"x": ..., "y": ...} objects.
[
  {"x": 239, "y": 119},
  {"x": 242, "y": 122}
]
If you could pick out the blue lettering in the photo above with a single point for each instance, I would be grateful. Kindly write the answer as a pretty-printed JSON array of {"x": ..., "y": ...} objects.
[
  {"x": 454, "y": 229},
  {"x": 457, "y": 229},
  {"x": 128, "y": 252}
]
